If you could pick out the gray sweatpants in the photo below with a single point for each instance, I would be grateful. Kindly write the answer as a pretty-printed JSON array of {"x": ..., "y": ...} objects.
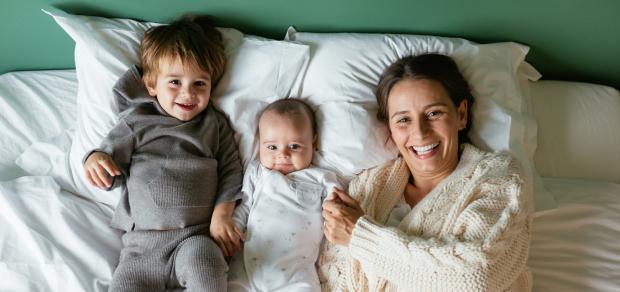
[{"x": 181, "y": 259}]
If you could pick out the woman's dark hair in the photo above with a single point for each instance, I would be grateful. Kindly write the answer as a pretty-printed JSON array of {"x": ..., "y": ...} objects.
[{"x": 437, "y": 67}]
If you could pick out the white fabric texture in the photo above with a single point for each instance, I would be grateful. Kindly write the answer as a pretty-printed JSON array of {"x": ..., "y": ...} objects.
[
  {"x": 574, "y": 123},
  {"x": 574, "y": 247},
  {"x": 52, "y": 240},
  {"x": 36, "y": 105},
  {"x": 471, "y": 233},
  {"x": 258, "y": 69},
  {"x": 345, "y": 68},
  {"x": 281, "y": 215}
]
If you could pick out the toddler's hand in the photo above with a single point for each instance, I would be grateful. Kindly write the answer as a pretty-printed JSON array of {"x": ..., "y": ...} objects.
[
  {"x": 95, "y": 167},
  {"x": 226, "y": 234}
]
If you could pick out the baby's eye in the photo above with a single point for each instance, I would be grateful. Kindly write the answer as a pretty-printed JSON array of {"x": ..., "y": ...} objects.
[
  {"x": 293, "y": 146},
  {"x": 272, "y": 147}
]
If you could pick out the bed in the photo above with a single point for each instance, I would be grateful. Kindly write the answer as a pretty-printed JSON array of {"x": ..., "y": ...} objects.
[{"x": 54, "y": 232}]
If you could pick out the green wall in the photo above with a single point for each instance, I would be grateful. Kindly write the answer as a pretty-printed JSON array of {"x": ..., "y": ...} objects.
[{"x": 570, "y": 39}]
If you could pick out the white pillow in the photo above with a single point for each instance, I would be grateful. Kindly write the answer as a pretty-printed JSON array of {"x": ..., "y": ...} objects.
[
  {"x": 345, "y": 68},
  {"x": 577, "y": 126},
  {"x": 257, "y": 68}
]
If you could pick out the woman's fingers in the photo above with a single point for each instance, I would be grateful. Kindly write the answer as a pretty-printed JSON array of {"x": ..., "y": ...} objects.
[{"x": 346, "y": 199}]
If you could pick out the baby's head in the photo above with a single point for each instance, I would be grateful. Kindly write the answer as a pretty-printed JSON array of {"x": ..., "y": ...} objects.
[
  {"x": 287, "y": 135},
  {"x": 181, "y": 63}
]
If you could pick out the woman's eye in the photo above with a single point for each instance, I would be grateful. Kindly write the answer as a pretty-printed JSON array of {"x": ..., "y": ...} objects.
[
  {"x": 434, "y": 115},
  {"x": 402, "y": 120},
  {"x": 293, "y": 146},
  {"x": 271, "y": 147}
]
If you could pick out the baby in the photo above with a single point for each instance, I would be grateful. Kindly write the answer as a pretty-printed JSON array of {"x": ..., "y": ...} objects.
[
  {"x": 281, "y": 206},
  {"x": 176, "y": 159}
]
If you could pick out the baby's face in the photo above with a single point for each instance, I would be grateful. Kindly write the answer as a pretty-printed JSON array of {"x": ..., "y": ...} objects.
[
  {"x": 286, "y": 143},
  {"x": 182, "y": 91}
]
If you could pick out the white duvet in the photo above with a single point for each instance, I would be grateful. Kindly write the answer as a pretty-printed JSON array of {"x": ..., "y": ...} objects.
[{"x": 53, "y": 240}]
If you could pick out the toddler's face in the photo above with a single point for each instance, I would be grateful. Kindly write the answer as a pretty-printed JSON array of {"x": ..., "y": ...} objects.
[
  {"x": 286, "y": 142},
  {"x": 182, "y": 91}
]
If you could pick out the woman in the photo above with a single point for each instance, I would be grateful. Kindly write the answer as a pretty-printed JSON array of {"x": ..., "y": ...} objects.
[{"x": 444, "y": 215}]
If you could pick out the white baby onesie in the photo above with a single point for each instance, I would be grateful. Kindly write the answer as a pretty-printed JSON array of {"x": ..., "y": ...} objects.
[{"x": 281, "y": 215}]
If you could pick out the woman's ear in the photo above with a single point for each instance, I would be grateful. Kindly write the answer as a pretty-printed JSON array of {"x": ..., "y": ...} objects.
[{"x": 462, "y": 113}]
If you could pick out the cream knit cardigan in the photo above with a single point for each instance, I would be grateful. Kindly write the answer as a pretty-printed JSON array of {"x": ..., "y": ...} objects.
[{"x": 470, "y": 233}]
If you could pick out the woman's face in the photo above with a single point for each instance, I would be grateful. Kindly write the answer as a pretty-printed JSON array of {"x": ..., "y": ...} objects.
[{"x": 424, "y": 124}]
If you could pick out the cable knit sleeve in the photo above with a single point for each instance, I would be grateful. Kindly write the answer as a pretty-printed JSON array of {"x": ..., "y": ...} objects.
[{"x": 483, "y": 243}]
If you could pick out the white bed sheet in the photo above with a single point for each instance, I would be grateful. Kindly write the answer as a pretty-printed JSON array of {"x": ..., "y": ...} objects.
[
  {"x": 36, "y": 105},
  {"x": 576, "y": 247},
  {"x": 53, "y": 240}
]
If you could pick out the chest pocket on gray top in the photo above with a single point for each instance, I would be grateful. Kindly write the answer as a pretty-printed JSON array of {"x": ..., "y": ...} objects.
[
  {"x": 184, "y": 182},
  {"x": 308, "y": 194}
]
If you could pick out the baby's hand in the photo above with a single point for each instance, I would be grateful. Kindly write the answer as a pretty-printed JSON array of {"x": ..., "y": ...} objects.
[
  {"x": 333, "y": 196},
  {"x": 226, "y": 234},
  {"x": 94, "y": 168}
]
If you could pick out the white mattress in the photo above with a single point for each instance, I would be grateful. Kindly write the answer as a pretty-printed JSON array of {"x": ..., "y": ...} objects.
[
  {"x": 53, "y": 240},
  {"x": 576, "y": 247}
]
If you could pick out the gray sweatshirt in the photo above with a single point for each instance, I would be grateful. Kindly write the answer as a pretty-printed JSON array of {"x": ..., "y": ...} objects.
[{"x": 173, "y": 172}]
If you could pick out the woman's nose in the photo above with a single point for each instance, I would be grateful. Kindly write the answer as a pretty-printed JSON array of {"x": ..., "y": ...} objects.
[{"x": 420, "y": 129}]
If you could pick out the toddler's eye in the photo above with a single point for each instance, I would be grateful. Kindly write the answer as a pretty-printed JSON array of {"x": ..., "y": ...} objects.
[
  {"x": 293, "y": 146},
  {"x": 200, "y": 83},
  {"x": 271, "y": 147},
  {"x": 175, "y": 82}
]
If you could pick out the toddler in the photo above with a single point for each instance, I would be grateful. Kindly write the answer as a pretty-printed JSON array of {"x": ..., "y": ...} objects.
[
  {"x": 176, "y": 159},
  {"x": 281, "y": 205}
]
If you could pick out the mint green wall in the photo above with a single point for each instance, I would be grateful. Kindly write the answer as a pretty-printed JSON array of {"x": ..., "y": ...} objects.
[{"x": 570, "y": 39}]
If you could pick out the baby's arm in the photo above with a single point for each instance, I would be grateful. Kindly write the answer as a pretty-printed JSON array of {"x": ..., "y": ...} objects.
[
  {"x": 240, "y": 216},
  {"x": 331, "y": 181}
]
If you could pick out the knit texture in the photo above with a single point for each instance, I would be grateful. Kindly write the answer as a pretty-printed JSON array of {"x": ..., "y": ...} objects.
[
  {"x": 171, "y": 260},
  {"x": 470, "y": 233}
]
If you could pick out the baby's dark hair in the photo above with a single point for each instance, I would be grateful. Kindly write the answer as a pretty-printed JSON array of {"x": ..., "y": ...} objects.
[
  {"x": 192, "y": 38},
  {"x": 292, "y": 107}
]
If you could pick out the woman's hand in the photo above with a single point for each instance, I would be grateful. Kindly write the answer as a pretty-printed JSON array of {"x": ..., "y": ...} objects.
[
  {"x": 95, "y": 168},
  {"x": 340, "y": 214}
]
